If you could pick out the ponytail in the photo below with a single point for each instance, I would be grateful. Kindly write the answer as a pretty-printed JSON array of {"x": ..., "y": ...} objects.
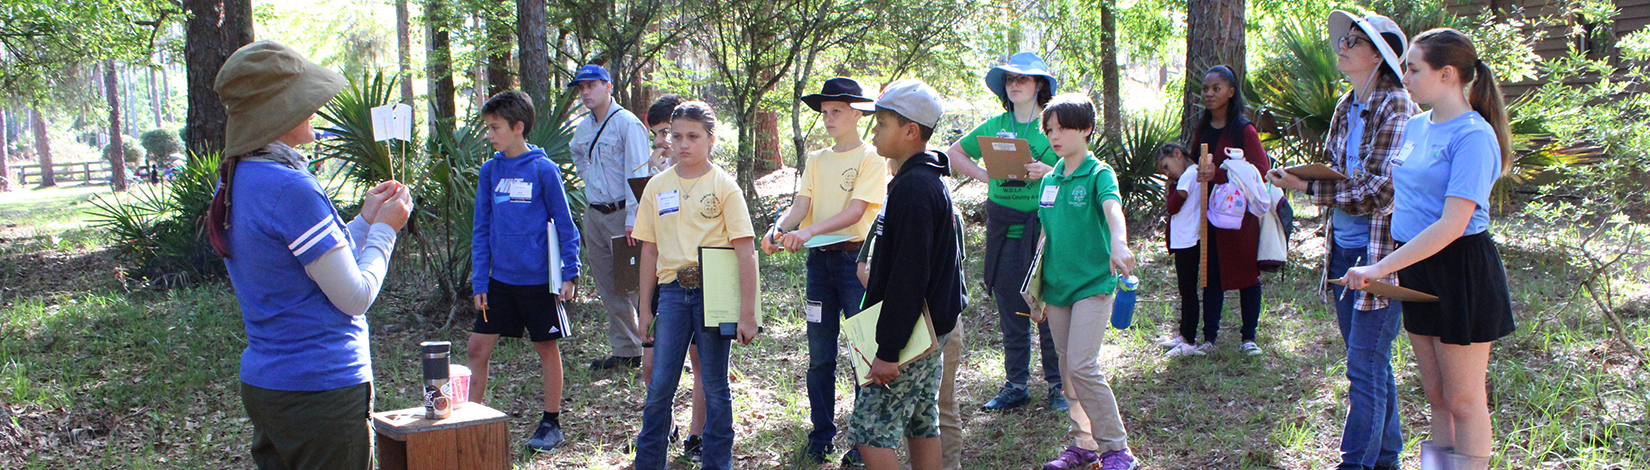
[
  {"x": 217, "y": 214},
  {"x": 1445, "y": 47},
  {"x": 1485, "y": 97}
]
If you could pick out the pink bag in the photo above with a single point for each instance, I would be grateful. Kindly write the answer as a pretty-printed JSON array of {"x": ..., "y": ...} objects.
[{"x": 1227, "y": 205}]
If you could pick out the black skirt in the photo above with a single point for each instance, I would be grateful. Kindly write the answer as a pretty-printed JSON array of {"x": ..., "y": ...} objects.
[{"x": 1471, "y": 284}]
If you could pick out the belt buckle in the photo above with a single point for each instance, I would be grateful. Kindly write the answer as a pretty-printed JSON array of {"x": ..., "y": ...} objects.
[{"x": 690, "y": 278}]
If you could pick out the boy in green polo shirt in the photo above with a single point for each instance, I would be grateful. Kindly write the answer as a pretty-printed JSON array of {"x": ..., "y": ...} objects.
[
  {"x": 1082, "y": 217},
  {"x": 1024, "y": 85}
]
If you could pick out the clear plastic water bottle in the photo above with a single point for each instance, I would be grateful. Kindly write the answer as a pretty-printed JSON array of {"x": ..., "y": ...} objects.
[{"x": 1122, "y": 308}]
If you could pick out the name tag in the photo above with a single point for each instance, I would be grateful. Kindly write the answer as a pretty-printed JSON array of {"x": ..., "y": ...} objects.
[
  {"x": 1403, "y": 154},
  {"x": 669, "y": 202},
  {"x": 1049, "y": 193},
  {"x": 816, "y": 311},
  {"x": 1007, "y": 135},
  {"x": 521, "y": 191}
]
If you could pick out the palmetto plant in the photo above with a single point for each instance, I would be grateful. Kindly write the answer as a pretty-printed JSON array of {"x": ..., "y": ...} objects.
[
  {"x": 368, "y": 162},
  {"x": 1133, "y": 154},
  {"x": 160, "y": 227},
  {"x": 1295, "y": 95}
]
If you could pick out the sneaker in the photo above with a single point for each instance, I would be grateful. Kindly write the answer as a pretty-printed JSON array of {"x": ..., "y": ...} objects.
[
  {"x": 818, "y": 455},
  {"x": 1172, "y": 342},
  {"x": 1184, "y": 350},
  {"x": 1204, "y": 348},
  {"x": 1250, "y": 348},
  {"x": 1072, "y": 459},
  {"x": 693, "y": 449},
  {"x": 1118, "y": 460},
  {"x": 610, "y": 362},
  {"x": 851, "y": 459},
  {"x": 546, "y": 438},
  {"x": 1011, "y": 396},
  {"x": 1057, "y": 398}
]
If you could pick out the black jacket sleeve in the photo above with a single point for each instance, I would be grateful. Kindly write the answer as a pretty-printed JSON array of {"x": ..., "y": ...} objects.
[{"x": 905, "y": 249}]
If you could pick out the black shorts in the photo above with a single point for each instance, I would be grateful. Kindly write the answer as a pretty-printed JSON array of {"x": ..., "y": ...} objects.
[
  {"x": 511, "y": 307},
  {"x": 1471, "y": 284}
]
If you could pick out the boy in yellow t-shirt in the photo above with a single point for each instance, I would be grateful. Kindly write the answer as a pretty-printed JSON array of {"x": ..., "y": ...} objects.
[
  {"x": 841, "y": 191},
  {"x": 693, "y": 204}
]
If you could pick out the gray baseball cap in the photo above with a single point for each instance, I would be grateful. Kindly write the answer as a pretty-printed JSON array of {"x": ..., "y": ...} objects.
[{"x": 910, "y": 98}]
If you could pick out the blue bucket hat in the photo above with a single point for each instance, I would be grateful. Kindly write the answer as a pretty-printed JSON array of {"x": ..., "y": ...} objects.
[
  {"x": 1023, "y": 63},
  {"x": 590, "y": 72}
]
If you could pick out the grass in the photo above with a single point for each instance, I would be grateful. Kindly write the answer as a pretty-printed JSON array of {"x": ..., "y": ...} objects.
[{"x": 95, "y": 376}]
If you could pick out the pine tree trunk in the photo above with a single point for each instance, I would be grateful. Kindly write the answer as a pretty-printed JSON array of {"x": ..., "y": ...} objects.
[
  {"x": 43, "y": 150},
  {"x": 439, "y": 62},
  {"x": 206, "y": 46},
  {"x": 403, "y": 40},
  {"x": 500, "y": 38},
  {"x": 116, "y": 150},
  {"x": 5, "y": 155},
  {"x": 1112, "y": 101},
  {"x": 154, "y": 98},
  {"x": 534, "y": 47},
  {"x": 1214, "y": 36}
]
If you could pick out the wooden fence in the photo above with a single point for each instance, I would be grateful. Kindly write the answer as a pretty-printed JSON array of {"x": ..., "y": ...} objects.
[{"x": 95, "y": 171}]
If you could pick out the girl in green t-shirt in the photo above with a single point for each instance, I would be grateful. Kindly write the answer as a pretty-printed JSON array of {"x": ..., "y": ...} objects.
[{"x": 1082, "y": 216}]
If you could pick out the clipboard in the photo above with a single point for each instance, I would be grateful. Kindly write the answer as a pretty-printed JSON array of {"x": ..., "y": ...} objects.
[
  {"x": 1315, "y": 171},
  {"x": 1032, "y": 288},
  {"x": 1005, "y": 159},
  {"x": 627, "y": 264},
  {"x": 861, "y": 331},
  {"x": 719, "y": 271},
  {"x": 638, "y": 184},
  {"x": 554, "y": 240},
  {"x": 1391, "y": 291}
]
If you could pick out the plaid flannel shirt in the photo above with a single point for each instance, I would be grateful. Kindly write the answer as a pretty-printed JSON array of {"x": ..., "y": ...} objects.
[{"x": 1368, "y": 192}]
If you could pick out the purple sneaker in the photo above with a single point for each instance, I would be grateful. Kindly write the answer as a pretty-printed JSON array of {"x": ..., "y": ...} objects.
[
  {"x": 1072, "y": 459},
  {"x": 1118, "y": 460}
]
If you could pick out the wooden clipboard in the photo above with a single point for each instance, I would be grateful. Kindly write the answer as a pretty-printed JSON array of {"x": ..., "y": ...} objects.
[
  {"x": 627, "y": 264},
  {"x": 1391, "y": 291},
  {"x": 1315, "y": 171},
  {"x": 1005, "y": 159}
]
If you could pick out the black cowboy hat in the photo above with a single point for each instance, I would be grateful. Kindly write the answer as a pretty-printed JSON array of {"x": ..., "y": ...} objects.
[{"x": 838, "y": 89}]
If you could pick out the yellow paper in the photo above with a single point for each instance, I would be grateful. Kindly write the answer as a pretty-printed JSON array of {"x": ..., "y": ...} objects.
[
  {"x": 719, "y": 268},
  {"x": 861, "y": 330}
]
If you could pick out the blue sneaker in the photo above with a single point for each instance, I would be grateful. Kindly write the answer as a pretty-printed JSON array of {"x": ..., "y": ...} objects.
[
  {"x": 546, "y": 438},
  {"x": 1011, "y": 396},
  {"x": 1057, "y": 398}
]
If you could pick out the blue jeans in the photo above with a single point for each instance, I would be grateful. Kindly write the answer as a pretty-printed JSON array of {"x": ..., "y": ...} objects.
[
  {"x": 1372, "y": 435},
  {"x": 1011, "y": 272},
  {"x": 833, "y": 283},
  {"x": 680, "y": 317}
]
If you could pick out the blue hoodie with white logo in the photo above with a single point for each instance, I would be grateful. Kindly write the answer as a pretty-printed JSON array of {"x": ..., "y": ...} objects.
[{"x": 515, "y": 199}]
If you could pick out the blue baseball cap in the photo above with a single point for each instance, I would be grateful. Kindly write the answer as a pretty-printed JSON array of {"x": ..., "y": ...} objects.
[
  {"x": 1023, "y": 63},
  {"x": 590, "y": 72}
]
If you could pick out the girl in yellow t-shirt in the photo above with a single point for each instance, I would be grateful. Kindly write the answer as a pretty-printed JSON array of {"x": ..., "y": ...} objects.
[{"x": 690, "y": 205}]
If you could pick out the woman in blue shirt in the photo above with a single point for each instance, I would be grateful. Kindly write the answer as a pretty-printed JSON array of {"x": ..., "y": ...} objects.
[
  {"x": 303, "y": 278},
  {"x": 1442, "y": 177}
]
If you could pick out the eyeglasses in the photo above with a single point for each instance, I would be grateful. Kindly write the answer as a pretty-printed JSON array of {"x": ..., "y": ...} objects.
[
  {"x": 1015, "y": 79},
  {"x": 1349, "y": 41}
]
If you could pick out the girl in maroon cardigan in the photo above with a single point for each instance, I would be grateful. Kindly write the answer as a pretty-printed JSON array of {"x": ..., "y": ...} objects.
[{"x": 1231, "y": 263}]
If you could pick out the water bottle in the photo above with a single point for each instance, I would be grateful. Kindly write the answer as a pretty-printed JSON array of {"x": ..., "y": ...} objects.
[
  {"x": 438, "y": 391},
  {"x": 1122, "y": 308}
]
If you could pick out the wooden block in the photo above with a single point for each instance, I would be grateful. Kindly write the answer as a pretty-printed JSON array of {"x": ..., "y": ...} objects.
[{"x": 474, "y": 437}]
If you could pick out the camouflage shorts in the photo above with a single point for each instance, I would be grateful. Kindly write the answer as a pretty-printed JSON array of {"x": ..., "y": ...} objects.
[{"x": 906, "y": 407}]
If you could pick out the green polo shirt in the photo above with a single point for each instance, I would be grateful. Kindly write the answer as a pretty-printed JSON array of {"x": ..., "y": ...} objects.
[
  {"x": 1077, "y": 255},
  {"x": 1017, "y": 195}
]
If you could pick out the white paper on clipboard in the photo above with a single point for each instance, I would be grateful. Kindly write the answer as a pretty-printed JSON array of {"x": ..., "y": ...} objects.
[{"x": 555, "y": 257}]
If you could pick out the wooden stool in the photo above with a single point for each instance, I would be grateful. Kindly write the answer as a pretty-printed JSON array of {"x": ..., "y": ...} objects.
[{"x": 474, "y": 437}]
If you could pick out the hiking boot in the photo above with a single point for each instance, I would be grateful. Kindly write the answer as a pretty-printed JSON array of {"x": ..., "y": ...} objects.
[
  {"x": 1011, "y": 396},
  {"x": 546, "y": 438},
  {"x": 1072, "y": 459}
]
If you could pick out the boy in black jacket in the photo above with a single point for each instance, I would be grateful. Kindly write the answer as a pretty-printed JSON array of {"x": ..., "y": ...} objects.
[{"x": 915, "y": 266}]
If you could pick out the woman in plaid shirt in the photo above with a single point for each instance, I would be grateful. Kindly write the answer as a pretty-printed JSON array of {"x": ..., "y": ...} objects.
[{"x": 1365, "y": 134}]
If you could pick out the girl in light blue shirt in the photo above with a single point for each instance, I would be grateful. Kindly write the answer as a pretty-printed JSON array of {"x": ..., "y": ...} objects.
[{"x": 1442, "y": 177}]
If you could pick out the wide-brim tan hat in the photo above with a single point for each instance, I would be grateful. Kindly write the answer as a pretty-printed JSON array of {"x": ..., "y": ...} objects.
[
  {"x": 1376, "y": 27},
  {"x": 269, "y": 89}
]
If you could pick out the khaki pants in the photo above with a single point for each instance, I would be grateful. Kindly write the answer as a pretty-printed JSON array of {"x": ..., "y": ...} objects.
[
  {"x": 598, "y": 233},
  {"x": 1079, "y": 330},
  {"x": 951, "y": 440}
]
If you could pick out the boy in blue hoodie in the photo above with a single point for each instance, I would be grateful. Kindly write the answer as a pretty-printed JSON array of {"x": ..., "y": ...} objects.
[{"x": 518, "y": 199}]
